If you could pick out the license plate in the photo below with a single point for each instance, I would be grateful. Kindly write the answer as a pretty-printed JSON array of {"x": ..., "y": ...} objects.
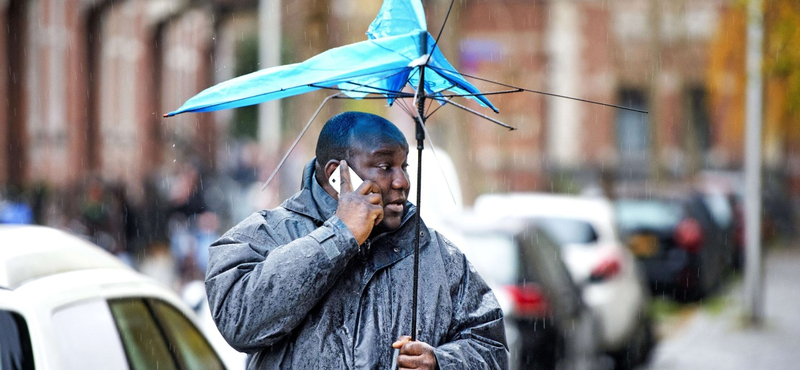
[{"x": 643, "y": 245}]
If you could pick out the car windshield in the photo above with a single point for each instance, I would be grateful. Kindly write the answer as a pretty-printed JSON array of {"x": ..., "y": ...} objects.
[
  {"x": 494, "y": 256},
  {"x": 567, "y": 231},
  {"x": 15, "y": 342},
  {"x": 647, "y": 214},
  {"x": 719, "y": 208}
]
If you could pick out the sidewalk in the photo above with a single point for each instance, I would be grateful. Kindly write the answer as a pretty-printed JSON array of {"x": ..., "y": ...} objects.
[{"x": 717, "y": 338}]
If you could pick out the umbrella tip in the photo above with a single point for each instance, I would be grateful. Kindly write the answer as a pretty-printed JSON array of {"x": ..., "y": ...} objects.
[{"x": 165, "y": 115}]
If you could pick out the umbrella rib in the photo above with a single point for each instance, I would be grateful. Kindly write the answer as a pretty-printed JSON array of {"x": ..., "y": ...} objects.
[
  {"x": 405, "y": 95},
  {"x": 406, "y": 108},
  {"x": 475, "y": 113},
  {"x": 296, "y": 141},
  {"x": 499, "y": 92},
  {"x": 380, "y": 97},
  {"x": 434, "y": 111},
  {"x": 544, "y": 92},
  {"x": 386, "y": 91},
  {"x": 441, "y": 30}
]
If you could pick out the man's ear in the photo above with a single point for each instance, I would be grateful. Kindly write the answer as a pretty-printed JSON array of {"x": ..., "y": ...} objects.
[{"x": 331, "y": 166}]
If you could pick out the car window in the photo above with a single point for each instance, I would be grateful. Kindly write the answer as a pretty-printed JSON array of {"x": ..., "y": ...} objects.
[
  {"x": 543, "y": 256},
  {"x": 144, "y": 343},
  {"x": 720, "y": 209},
  {"x": 647, "y": 214},
  {"x": 15, "y": 342},
  {"x": 86, "y": 337},
  {"x": 192, "y": 348},
  {"x": 494, "y": 256},
  {"x": 567, "y": 231}
]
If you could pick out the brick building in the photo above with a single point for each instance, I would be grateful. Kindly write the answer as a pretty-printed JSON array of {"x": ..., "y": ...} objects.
[{"x": 86, "y": 83}]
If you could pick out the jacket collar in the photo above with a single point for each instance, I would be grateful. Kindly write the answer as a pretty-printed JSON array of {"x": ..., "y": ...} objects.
[
  {"x": 398, "y": 244},
  {"x": 304, "y": 202}
]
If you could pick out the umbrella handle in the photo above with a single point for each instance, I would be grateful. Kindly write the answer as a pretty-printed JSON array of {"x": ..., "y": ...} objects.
[{"x": 395, "y": 354}]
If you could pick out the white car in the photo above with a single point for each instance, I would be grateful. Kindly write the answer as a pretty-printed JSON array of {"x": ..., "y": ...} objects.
[
  {"x": 547, "y": 324},
  {"x": 67, "y": 304},
  {"x": 613, "y": 285}
]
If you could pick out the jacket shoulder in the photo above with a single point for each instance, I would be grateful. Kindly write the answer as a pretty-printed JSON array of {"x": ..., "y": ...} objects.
[
  {"x": 455, "y": 261},
  {"x": 446, "y": 247},
  {"x": 264, "y": 223}
]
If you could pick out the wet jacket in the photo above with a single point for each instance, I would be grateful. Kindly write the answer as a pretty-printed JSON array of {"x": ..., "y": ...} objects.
[{"x": 291, "y": 287}]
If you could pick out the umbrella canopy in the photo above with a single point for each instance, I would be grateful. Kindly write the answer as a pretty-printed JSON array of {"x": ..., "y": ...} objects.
[{"x": 398, "y": 47}]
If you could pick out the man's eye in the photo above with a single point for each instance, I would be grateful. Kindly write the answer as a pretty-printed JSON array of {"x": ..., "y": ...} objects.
[{"x": 383, "y": 167}]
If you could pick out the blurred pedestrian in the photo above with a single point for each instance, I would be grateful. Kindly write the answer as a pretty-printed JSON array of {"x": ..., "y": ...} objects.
[{"x": 14, "y": 209}]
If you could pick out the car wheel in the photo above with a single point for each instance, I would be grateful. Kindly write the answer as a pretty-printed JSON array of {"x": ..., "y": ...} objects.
[{"x": 638, "y": 350}]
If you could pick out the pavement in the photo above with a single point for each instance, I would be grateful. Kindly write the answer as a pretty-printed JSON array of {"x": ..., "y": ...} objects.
[{"x": 715, "y": 336}]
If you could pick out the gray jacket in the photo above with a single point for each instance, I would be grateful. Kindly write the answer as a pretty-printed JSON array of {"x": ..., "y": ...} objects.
[{"x": 291, "y": 287}]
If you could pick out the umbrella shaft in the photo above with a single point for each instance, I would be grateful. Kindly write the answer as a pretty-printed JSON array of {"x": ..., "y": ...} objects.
[
  {"x": 420, "y": 121},
  {"x": 417, "y": 217}
]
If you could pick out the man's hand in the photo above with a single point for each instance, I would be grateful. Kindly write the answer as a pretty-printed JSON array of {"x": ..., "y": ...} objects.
[
  {"x": 414, "y": 354},
  {"x": 361, "y": 209}
]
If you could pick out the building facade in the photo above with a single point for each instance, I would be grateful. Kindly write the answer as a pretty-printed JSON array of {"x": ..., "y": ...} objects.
[{"x": 87, "y": 81}]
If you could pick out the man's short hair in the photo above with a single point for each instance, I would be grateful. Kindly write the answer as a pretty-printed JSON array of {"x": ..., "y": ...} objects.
[{"x": 335, "y": 139}]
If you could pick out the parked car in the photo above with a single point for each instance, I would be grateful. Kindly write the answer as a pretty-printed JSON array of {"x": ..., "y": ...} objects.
[
  {"x": 613, "y": 283},
  {"x": 547, "y": 324},
  {"x": 674, "y": 235},
  {"x": 67, "y": 304}
]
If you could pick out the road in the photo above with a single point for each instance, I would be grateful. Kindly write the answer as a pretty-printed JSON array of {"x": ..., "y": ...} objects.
[{"x": 714, "y": 336}]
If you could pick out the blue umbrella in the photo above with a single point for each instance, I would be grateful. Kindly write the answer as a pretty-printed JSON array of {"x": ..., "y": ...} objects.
[{"x": 399, "y": 51}]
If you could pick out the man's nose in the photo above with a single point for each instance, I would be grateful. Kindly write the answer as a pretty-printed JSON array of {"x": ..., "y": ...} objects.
[{"x": 400, "y": 180}]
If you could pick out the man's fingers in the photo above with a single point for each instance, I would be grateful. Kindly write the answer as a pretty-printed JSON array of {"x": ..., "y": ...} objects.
[
  {"x": 375, "y": 199},
  {"x": 415, "y": 362},
  {"x": 344, "y": 175},
  {"x": 413, "y": 348},
  {"x": 368, "y": 187},
  {"x": 414, "y": 354},
  {"x": 401, "y": 341},
  {"x": 408, "y": 362}
]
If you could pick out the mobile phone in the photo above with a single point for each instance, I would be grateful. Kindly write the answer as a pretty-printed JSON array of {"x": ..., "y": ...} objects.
[{"x": 336, "y": 181}]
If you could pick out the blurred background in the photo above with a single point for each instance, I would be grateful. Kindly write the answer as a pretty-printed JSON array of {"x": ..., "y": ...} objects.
[{"x": 84, "y": 147}]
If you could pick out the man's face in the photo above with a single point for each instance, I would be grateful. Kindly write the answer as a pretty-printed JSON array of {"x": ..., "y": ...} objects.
[{"x": 382, "y": 160}]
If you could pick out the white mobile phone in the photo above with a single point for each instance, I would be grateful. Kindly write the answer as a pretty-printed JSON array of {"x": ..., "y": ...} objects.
[{"x": 336, "y": 181}]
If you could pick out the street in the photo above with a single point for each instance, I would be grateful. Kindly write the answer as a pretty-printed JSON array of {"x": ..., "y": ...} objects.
[{"x": 714, "y": 336}]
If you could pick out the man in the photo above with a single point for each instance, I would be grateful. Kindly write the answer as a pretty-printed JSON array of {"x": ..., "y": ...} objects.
[{"x": 324, "y": 281}]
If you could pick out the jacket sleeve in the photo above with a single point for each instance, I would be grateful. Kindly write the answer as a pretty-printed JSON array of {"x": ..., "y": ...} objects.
[
  {"x": 476, "y": 338},
  {"x": 260, "y": 290}
]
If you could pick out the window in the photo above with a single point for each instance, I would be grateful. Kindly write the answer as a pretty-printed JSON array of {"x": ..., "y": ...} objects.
[
  {"x": 542, "y": 256},
  {"x": 157, "y": 336},
  {"x": 633, "y": 130},
  {"x": 192, "y": 348},
  {"x": 494, "y": 255},
  {"x": 657, "y": 215},
  {"x": 144, "y": 343},
  {"x": 567, "y": 231},
  {"x": 80, "y": 330},
  {"x": 15, "y": 342},
  {"x": 698, "y": 118}
]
